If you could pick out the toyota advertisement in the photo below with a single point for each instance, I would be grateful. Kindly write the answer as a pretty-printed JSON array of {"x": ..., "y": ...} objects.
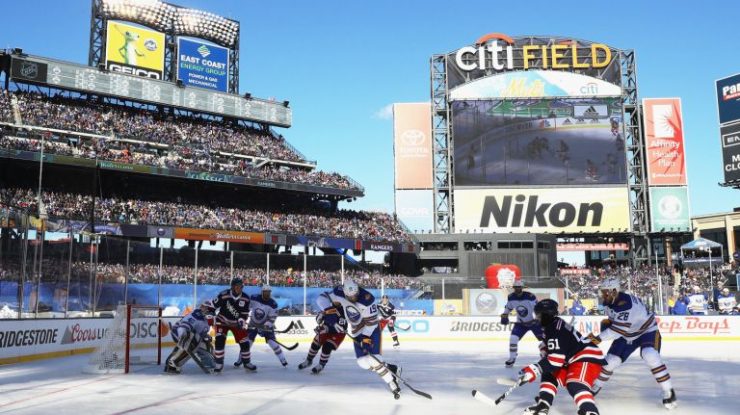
[{"x": 412, "y": 145}]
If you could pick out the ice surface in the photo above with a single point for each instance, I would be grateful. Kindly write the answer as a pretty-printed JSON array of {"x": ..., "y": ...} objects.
[{"x": 706, "y": 377}]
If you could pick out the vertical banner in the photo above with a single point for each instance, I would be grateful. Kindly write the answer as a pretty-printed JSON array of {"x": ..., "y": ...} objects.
[
  {"x": 669, "y": 209},
  {"x": 415, "y": 208},
  {"x": 412, "y": 145},
  {"x": 134, "y": 50},
  {"x": 731, "y": 152},
  {"x": 664, "y": 141},
  {"x": 728, "y": 99},
  {"x": 202, "y": 65}
]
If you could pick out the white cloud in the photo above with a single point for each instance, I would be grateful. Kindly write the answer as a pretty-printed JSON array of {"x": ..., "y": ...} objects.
[{"x": 385, "y": 113}]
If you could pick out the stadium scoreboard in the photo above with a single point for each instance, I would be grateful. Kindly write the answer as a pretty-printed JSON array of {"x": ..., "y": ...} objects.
[{"x": 92, "y": 80}]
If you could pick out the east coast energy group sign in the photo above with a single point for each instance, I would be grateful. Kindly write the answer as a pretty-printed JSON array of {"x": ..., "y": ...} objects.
[{"x": 202, "y": 65}]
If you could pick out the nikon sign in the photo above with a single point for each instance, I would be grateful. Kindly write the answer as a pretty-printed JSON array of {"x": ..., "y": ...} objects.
[{"x": 548, "y": 210}]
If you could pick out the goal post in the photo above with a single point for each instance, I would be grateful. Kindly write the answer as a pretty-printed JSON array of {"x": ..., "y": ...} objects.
[{"x": 133, "y": 337}]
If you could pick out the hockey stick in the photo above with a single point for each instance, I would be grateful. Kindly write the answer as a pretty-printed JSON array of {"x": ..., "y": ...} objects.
[
  {"x": 291, "y": 347},
  {"x": 403, "y": 328},
  {"x": 416, "y": 391},
  {"x": 287, "y": 329},
  {"x": 480, "y": 396}
]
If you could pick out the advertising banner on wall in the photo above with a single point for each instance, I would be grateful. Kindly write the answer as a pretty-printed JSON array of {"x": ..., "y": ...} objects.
[
  {"x": 731, "y": 151},
  {"x": 202, "y": 64},
  {"x": 548, "y": 210},
  {"x": 28, "y": 70},
  {"x": 728, "y": 99},
  {"x": 535, "y": 84},
  {"x": 412, "y": 145},
  {"x": 669, "y": 209},
  {"x": 664, "y": 140},
  {"x": 415, "y": 208},
  {"x": 564, "y": 141},
  {"x": 134, "y": 50},
  {"x": 219, "y": 235}
]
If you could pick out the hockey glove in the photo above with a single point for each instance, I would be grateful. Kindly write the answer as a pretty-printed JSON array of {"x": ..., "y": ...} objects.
[
  {"x": 241, "y": 323},
  {"x": 339, "y": 327},
  {"x": 530, "y": 373},
  {"x": 269, "y": 326},
  {"x": 504, "y": 319},
  {"x": 366, "y": 344},
  {"x": 543, "y": 350},
  {"x": 592, "y": 338}
]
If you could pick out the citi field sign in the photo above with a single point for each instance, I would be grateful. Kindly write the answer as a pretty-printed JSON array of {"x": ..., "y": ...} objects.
[{"x": 498, "y": 52}]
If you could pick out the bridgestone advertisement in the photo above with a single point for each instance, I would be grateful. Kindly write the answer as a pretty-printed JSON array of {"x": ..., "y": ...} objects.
[{"x": 548, "y": 210}]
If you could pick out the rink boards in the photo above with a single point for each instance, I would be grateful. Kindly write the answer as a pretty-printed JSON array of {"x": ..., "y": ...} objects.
[{"x": 23, "y": 340}]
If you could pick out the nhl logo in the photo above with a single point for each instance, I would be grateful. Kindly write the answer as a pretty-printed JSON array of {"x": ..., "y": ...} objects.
[{"x": 29, "y": 70}]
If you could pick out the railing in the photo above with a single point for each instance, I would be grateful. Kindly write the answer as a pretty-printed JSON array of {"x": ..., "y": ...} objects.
[
  {"x": 29, "y": 135},
  {"x": 56, "y": 275}
]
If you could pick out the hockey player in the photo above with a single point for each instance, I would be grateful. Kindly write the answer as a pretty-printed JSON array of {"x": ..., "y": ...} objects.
[
  {"x": 330, "y": 332},
  {"x": 727, "y": 303},
  {"x": 232, "y": 310},
  {"x": 388, "y": 318},
  {"x": 523, "y": 302},
  {"x": 191, "y": 338},
  {"x": 698, "y": 304},
  {"x": 359, "y": 308},
  {"x": 633, "y": 327},
  {"x": 568, "y": 361},
  {"x": 262, "y": 322}
]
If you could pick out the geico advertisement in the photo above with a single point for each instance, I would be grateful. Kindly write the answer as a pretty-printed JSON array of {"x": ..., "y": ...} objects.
[
  {"x": 134, "y": 50},
  {"x": 552, "y": 210}
]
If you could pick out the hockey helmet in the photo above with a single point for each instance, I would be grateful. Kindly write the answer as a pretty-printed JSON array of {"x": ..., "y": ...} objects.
[
  {"x": 545, "y": 311},
  {"x": 609, "y": 284},
  {"x": 236, "y": 281},
  {"x": 350, "y": 288},
  {"x": 725, "y": 291},
  {"x": 265, "y": 287}
]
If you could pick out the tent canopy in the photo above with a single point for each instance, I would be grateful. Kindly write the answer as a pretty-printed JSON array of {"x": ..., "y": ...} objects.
[{"x": 700, "y": 244}]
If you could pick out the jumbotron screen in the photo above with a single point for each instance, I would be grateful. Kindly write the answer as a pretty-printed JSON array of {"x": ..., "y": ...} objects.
[{"x": 563, "y": 141}]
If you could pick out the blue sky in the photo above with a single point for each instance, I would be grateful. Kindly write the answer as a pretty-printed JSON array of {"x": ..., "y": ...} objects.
[{"x": 342, "y": 63}]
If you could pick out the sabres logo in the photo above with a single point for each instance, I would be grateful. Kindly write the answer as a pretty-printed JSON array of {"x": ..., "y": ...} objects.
[{"x": 353, "y": 314}]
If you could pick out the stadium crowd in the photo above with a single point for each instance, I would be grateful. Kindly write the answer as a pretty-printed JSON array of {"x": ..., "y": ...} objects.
[
  {"x": 642, "y": 281},
  {"x": 79, "y": 115},
  {"x": 373, "y": 226},
  {"x": 175, "y": 151},
  {"x": 115, "y": 273}
]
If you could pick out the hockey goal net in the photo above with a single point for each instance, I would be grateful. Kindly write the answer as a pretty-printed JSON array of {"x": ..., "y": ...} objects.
[{"x": 133, "y": 337}]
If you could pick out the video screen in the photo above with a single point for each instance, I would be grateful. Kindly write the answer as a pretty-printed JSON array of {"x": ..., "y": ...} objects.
[{"x": 565, "y": 141}]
